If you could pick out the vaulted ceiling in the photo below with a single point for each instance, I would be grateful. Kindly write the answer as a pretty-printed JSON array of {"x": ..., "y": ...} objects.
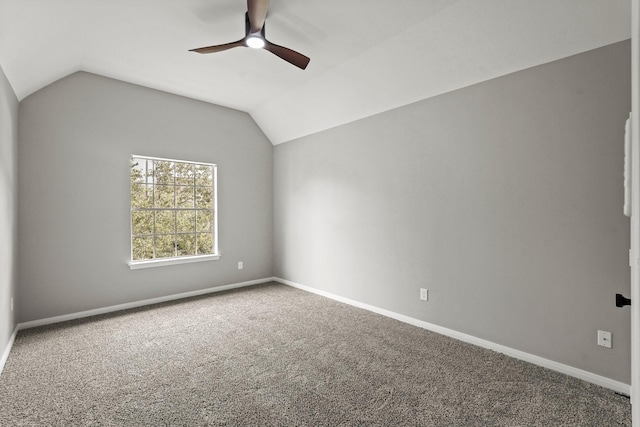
[{"x": 367, "y": 56}]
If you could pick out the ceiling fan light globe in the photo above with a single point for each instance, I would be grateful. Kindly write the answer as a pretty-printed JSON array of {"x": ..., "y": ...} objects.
[{"x": 255, "y": 42}]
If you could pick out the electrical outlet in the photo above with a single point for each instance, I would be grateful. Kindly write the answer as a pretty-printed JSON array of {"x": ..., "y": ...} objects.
[
  {"x": 240, "y": 265},
  {"x": 604, "y": 339},
  {"x": 424, "y": 294}
]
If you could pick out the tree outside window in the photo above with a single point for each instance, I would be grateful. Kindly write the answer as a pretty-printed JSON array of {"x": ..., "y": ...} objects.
[{"x": 172, "y": 209}]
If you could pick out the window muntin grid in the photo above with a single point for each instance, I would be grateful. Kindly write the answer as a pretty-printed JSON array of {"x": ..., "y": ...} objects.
[{"x": 173, "y": 209}]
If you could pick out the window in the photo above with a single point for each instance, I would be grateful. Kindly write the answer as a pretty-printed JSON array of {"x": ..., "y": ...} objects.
[{"x": 173, "y": 212}]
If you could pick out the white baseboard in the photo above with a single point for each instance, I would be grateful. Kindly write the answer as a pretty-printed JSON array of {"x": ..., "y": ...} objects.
[
  {"x": 614, "y": 385},
  {"x": 125, "y": 306},
  {"x": 7, "y": 349}
]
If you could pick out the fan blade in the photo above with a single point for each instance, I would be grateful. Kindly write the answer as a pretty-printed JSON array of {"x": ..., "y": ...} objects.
[
  {"x": 219, "y": 47},
  {"x": 291, "y": 56},
  {"x": 257, "y": 10}
]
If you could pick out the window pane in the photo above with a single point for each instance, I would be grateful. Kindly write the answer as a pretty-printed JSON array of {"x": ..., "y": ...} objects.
[
  {"x": 164, "y": 196},
  {"x": 165, "y": 246},
  {"x": 142, "y": 248},
  {"x": 204, "y": 197},
  {"x": 165, "y": 222},
  {"x": 164, "y": 172},
  {"x": 141, "y": 170},
  {"x": 205, "y": 221},
  {"x": 186, "y": 244},
  {"x": 205, "y": 243},
  {"x": 186, "y": 221},
  {"x": 184, "y": 197},
  {"x": 141, "y": 196},
  {"x": 184, "y": 173},
  {"x": 142, "y": 222},
  {"x": 204, "y": 175}
]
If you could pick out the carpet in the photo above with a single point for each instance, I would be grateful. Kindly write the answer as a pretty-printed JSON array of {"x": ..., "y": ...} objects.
[{"x": 271, "y": 355}]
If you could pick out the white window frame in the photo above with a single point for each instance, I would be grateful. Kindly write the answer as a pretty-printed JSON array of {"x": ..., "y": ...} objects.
[{"x": 178, "y": 259}]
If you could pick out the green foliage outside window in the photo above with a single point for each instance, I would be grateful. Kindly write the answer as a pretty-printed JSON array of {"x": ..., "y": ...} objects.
[{"x": 172, "y": 206}]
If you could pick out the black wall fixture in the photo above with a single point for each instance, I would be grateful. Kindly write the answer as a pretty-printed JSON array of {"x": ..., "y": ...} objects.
[{"x": 621, "y": 301}]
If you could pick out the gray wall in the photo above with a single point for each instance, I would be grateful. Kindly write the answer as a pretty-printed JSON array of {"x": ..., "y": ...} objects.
[
  {"x": 8, "y": 207},
  {"x": 76, "y": 136},
  {"x": 504, "y": 199}
]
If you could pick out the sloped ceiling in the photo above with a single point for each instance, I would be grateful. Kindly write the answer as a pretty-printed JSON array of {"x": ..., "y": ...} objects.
[{"x": 367, "y": 56}]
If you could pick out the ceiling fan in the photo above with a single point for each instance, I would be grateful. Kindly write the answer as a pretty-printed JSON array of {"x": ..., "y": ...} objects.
[{"x": 254, "y": 37}]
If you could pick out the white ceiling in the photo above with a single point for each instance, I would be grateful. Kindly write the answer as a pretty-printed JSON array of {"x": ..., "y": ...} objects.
[{"x": 367, "y": 56}]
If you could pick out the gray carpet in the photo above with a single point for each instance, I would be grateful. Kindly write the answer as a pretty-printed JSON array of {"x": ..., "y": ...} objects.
[{"x": 271, "y": 355}]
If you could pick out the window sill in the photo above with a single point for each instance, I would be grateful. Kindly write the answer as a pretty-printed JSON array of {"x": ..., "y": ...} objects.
[{"x": 134, "y": 265}]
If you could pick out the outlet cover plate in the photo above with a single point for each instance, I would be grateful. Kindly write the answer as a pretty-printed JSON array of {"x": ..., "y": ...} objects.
[{"x": 604, "y": 339}]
